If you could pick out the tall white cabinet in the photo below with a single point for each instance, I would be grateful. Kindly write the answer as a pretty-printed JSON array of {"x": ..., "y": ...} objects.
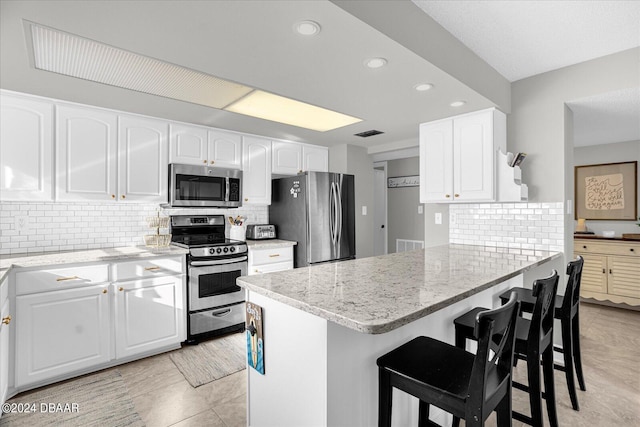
[
  {"x": 256, "y": 171},
  {"x": 26, "y": 161},
  {"x": 458, "y": 157},
  {"x": 5, "y": 315}
]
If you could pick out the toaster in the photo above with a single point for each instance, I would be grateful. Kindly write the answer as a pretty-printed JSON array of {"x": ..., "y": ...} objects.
[{"x": 261, "y": 231}]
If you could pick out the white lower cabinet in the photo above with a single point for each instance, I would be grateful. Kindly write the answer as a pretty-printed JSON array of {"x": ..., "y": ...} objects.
[
  {"x": 149, "y": 314},
  {"x": 61, "y": 332},
  {"x": 266, "y": 260}
]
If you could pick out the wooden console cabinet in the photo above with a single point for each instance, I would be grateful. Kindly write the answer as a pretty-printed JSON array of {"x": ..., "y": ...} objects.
[{"x": 611, "y": 269}]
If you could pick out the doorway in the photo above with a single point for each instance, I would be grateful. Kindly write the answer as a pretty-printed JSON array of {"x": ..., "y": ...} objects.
[{"x": 380, "y": 208}]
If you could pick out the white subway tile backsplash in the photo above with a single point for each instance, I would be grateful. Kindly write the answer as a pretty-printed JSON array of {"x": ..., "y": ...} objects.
[
  {"x": 529, "y": 227},
  {"x": 58, "y": 226}
]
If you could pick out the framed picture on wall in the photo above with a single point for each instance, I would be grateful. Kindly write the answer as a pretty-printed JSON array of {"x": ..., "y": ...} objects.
[{"x": 607, "y": 191}]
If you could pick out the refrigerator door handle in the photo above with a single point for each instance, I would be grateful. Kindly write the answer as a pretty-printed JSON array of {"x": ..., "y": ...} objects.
[
  {"x": 336, "y": 213},
  {"x": 339, "y": 217},
  {"x": 332, "y": 226}
]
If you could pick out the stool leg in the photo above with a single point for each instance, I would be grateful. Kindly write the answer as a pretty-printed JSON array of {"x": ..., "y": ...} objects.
[
  {"x": 461, "y": 342},
  {"x": 549, "y": 385},
  {"x": 423, "y": 414},
  {"x": 503, "y": 411},
  {"x": 535, "y": 392},
  {"x": 577, "y": 359},
  {"x": 567, "y": 347},
  {"x": 384, "y": 398}
]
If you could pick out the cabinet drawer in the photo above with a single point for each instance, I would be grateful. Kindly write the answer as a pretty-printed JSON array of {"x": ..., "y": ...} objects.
[
  {"x": 147, "y": 268},
  {"x": 607, "y": 248},
  {"x": 268, "y": 268},
  {"x": 270, "y": 256},
  {"x": 54, "y": 279}
]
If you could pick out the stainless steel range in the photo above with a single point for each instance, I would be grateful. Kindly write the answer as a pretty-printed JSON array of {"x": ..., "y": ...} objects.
[{"x": 215, "y": 304}]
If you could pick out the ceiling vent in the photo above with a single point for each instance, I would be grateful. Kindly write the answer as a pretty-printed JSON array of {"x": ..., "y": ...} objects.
[{"x": 368, "y": 133}]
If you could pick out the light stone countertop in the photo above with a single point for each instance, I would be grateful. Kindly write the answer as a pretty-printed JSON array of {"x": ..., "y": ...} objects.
[
  {"x": 44, "y": 259},
  {"x": 378, "y": 294},
  {"x": 269, "y": 243}
]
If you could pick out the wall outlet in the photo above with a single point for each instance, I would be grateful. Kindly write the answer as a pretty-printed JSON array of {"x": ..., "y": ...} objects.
[
  {"x": 420, "y": 209},
  {"x": 21, "y": 223},
  {"x": 438, "y": 218},
  {"x": 364, "y": 210}
]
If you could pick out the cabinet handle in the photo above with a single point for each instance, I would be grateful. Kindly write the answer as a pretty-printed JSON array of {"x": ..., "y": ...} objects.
[
  {"x": 604, "y": 271},
  {"x": 121, "y": 289},
  {"x": 274, "y": 255},
  {"x": 447, "y": 196},
  {"x": 456, "y": 195},
  {"x": 6, "y": 320},
  {"x": 204, "y": 161},
  {"x": 104, "y": 291},
  {"x": 62, "y": 279},
  {"x": 212, "y": 162},
  {"x": 152, "y": 268},
  {"x": 123, "y": 196},
  {"x": 610, "y": 272}
]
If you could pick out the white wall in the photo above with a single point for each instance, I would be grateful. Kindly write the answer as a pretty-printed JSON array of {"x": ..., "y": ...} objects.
[
  {"x": 403, "y": 220},
  {"x": 610, "y": 153}
]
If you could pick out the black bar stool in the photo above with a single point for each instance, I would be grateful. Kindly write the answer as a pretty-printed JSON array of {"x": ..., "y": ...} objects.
[
  {"x": 437, "y": 373},
  {"x": 567, "y": 311},
  {"x": 534, "y": 340}
]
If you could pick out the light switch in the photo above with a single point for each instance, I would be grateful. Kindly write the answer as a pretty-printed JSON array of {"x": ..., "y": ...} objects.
[
  {"x": 438, "y": 218},
  {"x": 364, "y": 210}
]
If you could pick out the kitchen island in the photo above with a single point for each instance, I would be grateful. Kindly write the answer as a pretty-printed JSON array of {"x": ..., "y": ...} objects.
[{"x": 325, "y": 326}]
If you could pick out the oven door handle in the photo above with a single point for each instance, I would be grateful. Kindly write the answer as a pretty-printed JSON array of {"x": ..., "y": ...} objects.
[{"x": 218, "y": 262}]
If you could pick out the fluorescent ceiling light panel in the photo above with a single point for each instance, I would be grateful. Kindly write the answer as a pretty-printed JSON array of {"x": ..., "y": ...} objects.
[
  {"x": 277, "y": 108},
  {"x": 75, "y": 56}
]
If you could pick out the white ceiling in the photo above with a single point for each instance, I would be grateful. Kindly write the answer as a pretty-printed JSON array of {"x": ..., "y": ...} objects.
[
  {"x": 253, "y": 43},
  {"x": 524, "y": 38}
]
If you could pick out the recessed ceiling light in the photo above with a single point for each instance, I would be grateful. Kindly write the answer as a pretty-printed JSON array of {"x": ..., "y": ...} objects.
[
  {"x": 458, "y": 103},
  {"x": 307, "y": 28},
  {"x": 375, "y": 62},
  {"x": 423, "y": 87}
]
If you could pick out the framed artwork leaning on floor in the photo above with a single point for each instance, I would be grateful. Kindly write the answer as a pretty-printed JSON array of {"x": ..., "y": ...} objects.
[{"x": 607, "y": 191}]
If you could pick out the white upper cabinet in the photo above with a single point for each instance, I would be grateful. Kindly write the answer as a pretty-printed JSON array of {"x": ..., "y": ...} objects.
[
  {"x": 224, "y": 149},
  {"x": 290, "y": 158},
  {"x": 26, "y": 144},
  {"x": 286, "y": 157},
  {"x": 315, "y": 158},
  {"x": 188, "y": 144},
  {"x": 86, "y": 153},
  {"x": 256, "y": 171},
  {"x": 142, "y": 159},
  {"x": 458, "y": 155}
]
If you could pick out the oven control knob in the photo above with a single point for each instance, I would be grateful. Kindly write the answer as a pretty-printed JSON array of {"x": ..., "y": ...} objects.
[
  {"x": 211, "y": 251},
  {"x": 232, "y": 249},
  {"x": 218, "y": 250},
  {"x": 226, "y": 250}
]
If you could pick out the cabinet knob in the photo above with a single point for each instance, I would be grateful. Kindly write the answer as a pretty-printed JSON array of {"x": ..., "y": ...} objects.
[
  {"x": 584, "y": 247},
  {"x": 447, "y": 196},
  {"x": 300, "y": 171},
  {"x": 212, "y": 162},
  {"x": 104, "y": 291},
  {"x": 204, "y": 161},
  {"x": 6, "y": 320},
  {"x": 610, "y": 272},
  {"x": 121, "y": 289},
  {"x": 123, "y": 196},
  {"x": 113, "y": 196},
  {"x": 631, "y": 250},
  {"x": 246, "y": 200},
  {"x": 604, "y": 271},
  {"x": 456, "y": 195}
]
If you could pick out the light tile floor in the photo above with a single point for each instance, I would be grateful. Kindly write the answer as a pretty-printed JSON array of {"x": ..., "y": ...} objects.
[{"x": 611, "y": 363}]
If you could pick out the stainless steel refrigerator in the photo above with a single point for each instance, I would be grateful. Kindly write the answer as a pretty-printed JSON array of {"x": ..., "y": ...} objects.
[{"x": 317, "y": 210}]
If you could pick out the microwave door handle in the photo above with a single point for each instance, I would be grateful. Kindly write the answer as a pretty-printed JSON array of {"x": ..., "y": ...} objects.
[{"x": 226, "y": 193}]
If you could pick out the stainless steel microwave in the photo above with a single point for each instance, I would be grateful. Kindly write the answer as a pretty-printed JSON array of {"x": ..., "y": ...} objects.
[{"x": 202, "y": 186}]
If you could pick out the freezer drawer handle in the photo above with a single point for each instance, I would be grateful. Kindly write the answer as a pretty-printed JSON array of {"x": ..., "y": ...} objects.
[{"x": 221, "y": 313}]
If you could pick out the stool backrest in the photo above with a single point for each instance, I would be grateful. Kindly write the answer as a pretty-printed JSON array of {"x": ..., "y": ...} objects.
[
  {"x": 571, "y": 299},
  {"x": 498, "y": 322},
  {"x": 544, "y": 290}
]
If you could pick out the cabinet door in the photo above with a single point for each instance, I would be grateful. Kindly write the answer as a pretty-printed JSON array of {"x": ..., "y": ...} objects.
[
  {"x": 315, "y": 159},
  {"x": 594, "y": 274},
  {"x": 61, "y": 332},
  {"x": 286, "y": 157},
  {"x": 5, "y": 315},
  {"x": 26, "y": 144},
  {"x": 473, "y": 157},
  {"x": 142, "y": 159},
  {"x": 256, "y": 171},
  {"x": 188, "y": 144},
  {"x": 149, "y": 314},
  {"x": 225, "y": 149},
  {"x": 623, "y": 276},
  {"x": 86, "y": 153},
  {"x": 436, "y": 162}
]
